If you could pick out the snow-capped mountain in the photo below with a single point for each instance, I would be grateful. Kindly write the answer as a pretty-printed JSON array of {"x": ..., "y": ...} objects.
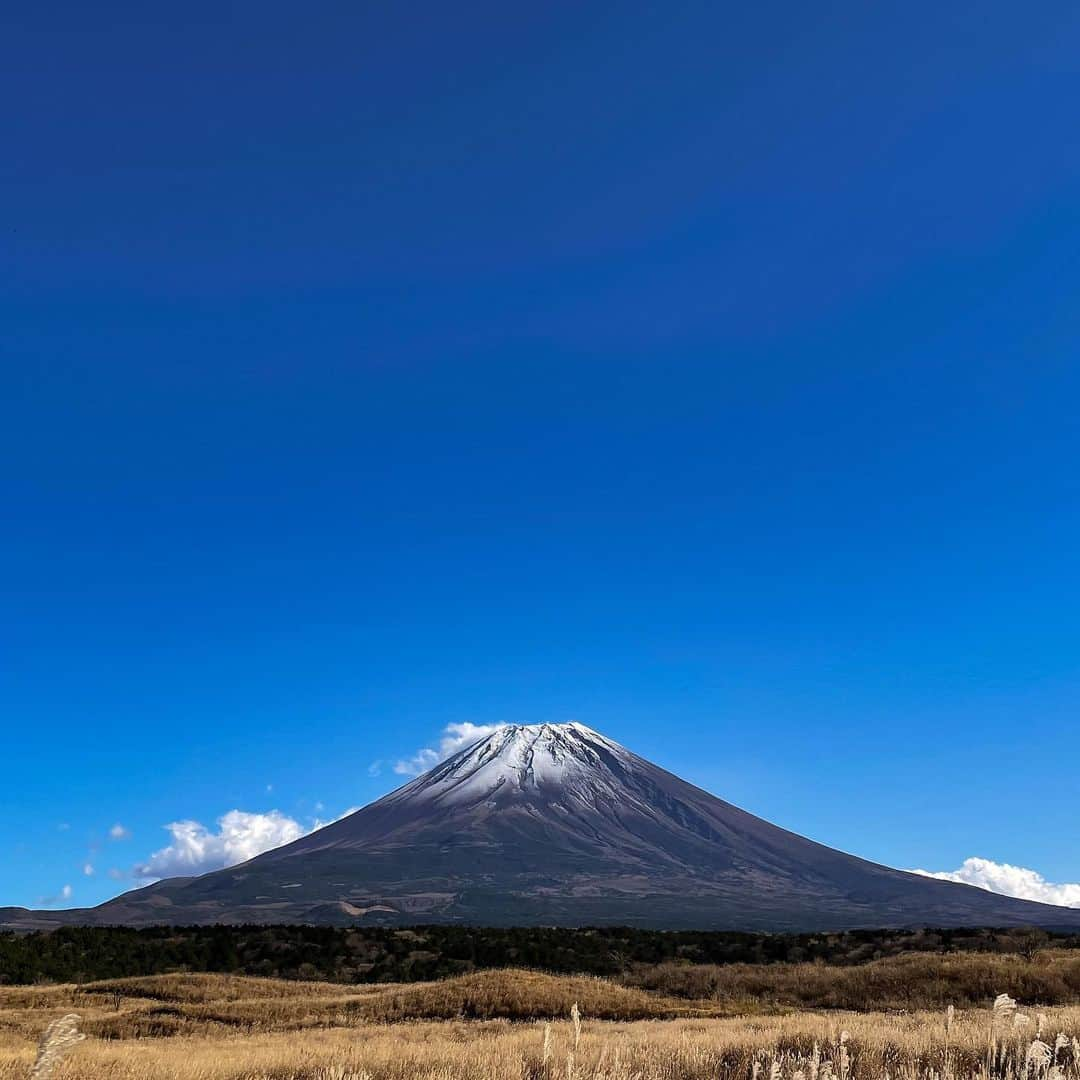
[
  {"x": 568, "y": 759},
  {"x": 555, "y": 824}
]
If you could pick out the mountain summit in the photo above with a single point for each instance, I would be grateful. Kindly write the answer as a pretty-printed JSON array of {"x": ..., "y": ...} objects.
[{"x": 554, "y": 824}]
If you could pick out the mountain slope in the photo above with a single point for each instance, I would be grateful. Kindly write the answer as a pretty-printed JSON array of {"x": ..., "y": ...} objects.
[{"x": 555, "y": 824}]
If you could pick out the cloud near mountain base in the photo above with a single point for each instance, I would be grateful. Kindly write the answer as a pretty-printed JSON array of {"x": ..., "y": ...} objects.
[
  {"x": 240, "y": 836},
  {"x": 1008, "y": 880}
]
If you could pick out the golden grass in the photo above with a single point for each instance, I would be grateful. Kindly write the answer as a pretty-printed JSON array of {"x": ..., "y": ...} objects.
[
  {"x": 222, "y": 1028},
  {"x": 205, "y": 988},
  {"x": 502, "y": 1050},
  {"x": 912, "y": 981},
  {"x": 172, "y": 1005}
]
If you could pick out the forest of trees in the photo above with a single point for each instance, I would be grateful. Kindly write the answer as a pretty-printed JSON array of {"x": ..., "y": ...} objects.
[{"x": 383, "y": 954}]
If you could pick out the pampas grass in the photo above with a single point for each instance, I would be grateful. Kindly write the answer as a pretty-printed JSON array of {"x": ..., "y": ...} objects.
[
  {"x": 979, "y": 1044},
  {"x": 1004, "y": 1009},
  {"x": 58, "y": 1040}
]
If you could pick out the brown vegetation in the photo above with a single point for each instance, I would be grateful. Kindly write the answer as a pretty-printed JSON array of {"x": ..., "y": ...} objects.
[
  {"x": 914, "y": 981},
  {"x": 519, "y": 1025},
  {"x": 165, "y": 1005}
]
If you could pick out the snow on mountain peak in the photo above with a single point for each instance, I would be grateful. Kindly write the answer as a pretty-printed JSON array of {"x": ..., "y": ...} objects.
[{"x": 553, "y": 759}]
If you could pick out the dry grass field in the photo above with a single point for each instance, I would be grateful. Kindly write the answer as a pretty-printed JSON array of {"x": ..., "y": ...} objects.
[
  {"x": 912, "y": 981},
  {"x": 519, "y": 1025}
]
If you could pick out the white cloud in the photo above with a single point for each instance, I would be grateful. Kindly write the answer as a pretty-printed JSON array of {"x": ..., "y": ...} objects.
[
  {"x": 375, "y": 769},
  {"x": 88, "y": 869},
  {"x": 64, "y": 894},
  {"x": 317, "y": 824},
  {"x": 420, "y": 762},
  {"x": 1010, "y": 881},
  {"x": 195, "y": 849},
  {"x": 116, "y": 874},
  {"x": 454, "y": 737},
  {"x": 119, "y": 832}
]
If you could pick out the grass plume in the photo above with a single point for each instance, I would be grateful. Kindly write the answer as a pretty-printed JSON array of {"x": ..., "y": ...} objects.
[{"x": 57, "y": 1041}]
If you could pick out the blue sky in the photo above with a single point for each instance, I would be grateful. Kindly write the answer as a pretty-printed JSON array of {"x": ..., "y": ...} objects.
[{"x": 703, "y": 373}]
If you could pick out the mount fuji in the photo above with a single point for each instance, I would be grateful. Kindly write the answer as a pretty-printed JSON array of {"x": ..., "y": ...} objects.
[{"x": 554, "y": 824}]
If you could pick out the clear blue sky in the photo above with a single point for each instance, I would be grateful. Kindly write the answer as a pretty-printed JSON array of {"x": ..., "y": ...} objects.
[{"x": 706, "y": 373}]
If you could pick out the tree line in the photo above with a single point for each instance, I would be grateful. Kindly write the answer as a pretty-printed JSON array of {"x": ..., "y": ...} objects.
[{"x": 386, "y": 954}]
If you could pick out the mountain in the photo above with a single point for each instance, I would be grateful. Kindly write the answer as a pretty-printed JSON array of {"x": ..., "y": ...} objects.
[{"x": 554, "y": 824}]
